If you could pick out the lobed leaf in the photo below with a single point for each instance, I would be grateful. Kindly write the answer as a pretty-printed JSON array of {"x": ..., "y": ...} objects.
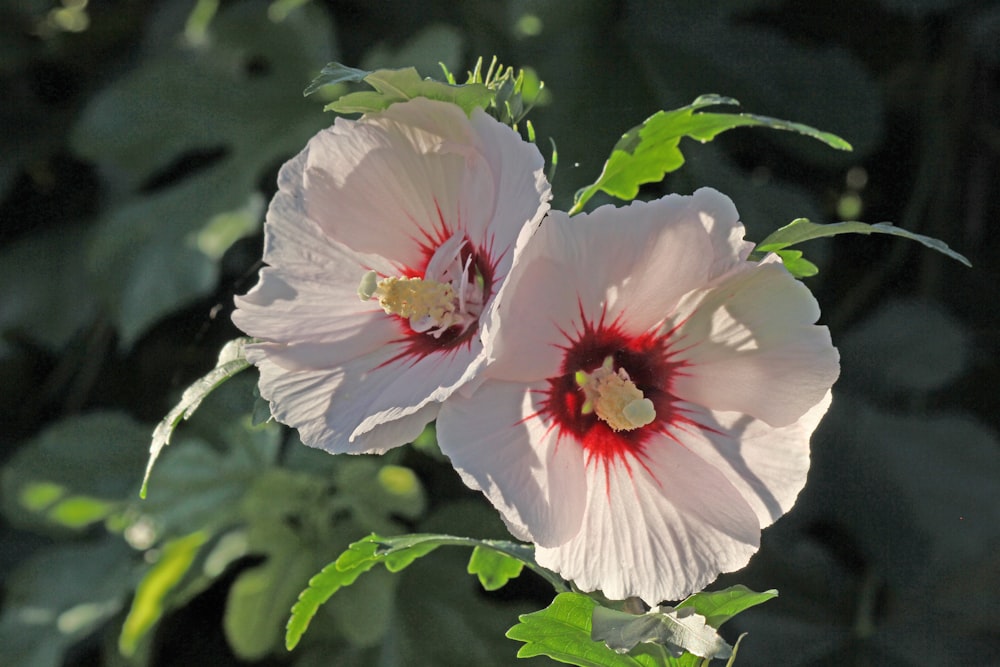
[
  {"x": 493, "y": 568},
  {"x": 719, "y": 606},
  {"x": 395, "y": 553},
  {"x": 395, "y": 85},
  {"x": 562, "y": 630},
  {"x": 231, "y": 361},
  {"x": 800, "y": 230},
  {"x": 648, "y": 151}
]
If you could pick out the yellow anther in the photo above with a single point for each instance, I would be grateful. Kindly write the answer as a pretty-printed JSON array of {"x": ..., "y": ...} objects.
[
  {"x": 615, "y": 398},
  {"x": 413, "y": 298}
]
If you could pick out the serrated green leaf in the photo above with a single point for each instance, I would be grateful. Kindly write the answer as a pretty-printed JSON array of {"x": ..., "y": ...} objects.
[
  {"x": 399, "y": 85},
  {"x": 395, "y": 553},
  {"x": 800, "y": 230},
  {"x": 561, "y": 631},
  {"x": 650, "y": 150},
  {"x": 148, "y": 604},
  {"x": 719, "y": 606},
  {"x": 231, "y": 361},
  {"x": 493, "y": 568},
  {"x": 679, "y": 630}
]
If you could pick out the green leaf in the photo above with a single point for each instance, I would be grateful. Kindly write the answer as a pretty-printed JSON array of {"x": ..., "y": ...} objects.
[
  {"x": 797, "y": 265},
  {"x": 76, "y": 472},
  {"x": 493, "y": 568},
  {"x": 719, "y": 606},
  {"x": 148, "y": 604},
  {"x": 60, "y": 596},
  {"x": 679, "y": 630},
  {"x": 231, "y": 361},
  {"x": 649, "y": 150},
  {"x": 232, "y": 103},
  {"x": 334, "y": 73},
  {"x": 800, "y": 230},
  {"x": 395, "y": 553},
  {"x": 399, "y": 85},
  {"x": 48, "y": 306},
  {"x": 561, "y": 631},
  {"x": 259, "y": 598}
]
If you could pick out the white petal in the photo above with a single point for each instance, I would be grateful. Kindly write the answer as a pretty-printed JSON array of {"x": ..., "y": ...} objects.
[
  {"x": 501, "y": 448},
  {"x": 719, "y": 216},
  {"x": 635, "y": 262},
  {"x": 395, "y": 182},
  {"x": 751, "y": 346},
  {"x": 327, "y": 405},
  {"x": 658, "y": 531},
  {"x": 309, "y": 290},
  {"x": 767, "y": 465}
]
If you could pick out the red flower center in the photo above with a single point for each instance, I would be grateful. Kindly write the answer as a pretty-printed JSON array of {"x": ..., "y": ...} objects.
[{"x": 645, "y": 359}]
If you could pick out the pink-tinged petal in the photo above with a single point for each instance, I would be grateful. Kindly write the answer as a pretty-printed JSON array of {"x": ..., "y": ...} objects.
[
  {"x": 320, "y": 403},
  {"x": 722, "y": 222},
  {"x": 749, "y": 345},
  {"x": 398, "y": 182},
  {"x": 500, "y": 446},
  {"x": 418, "y": 191},
  {"x": 633, "y": 263},
  {"x": 767, "y": 465},
  {"x": 308, "y": 293},
  {"x": 516, "y": 169},
  {"x": 657, "y": 529}
]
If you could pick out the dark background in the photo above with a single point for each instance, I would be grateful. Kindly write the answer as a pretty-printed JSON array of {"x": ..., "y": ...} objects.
[{"x": 139, "y": 145}]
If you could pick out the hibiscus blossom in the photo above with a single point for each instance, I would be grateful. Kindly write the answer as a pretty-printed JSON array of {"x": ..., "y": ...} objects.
[
  {"x": 651, "y": 400},
  {"x": 386, "y": 245}
]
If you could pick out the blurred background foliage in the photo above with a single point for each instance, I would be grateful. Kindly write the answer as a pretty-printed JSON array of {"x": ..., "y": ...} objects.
[{"x": 140, "y": 145}]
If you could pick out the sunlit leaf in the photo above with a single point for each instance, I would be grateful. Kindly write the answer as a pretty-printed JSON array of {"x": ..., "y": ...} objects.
[
  {"x": 231, "y": 361},
  {"x": 395, "y": 553},
  {"x": 650, "y": 150},
  {"x": 800, "y": 230},
  {"x": 797, "y": 265},
  {"x": 397, "y": 85},
  {"x": 493, "y": 568},
  {"x": 561, "y": 631},
  {"x": 679, "y": 630},
  {"x": 148, "y": 604},
  {"x": 719, "y": 606}
]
